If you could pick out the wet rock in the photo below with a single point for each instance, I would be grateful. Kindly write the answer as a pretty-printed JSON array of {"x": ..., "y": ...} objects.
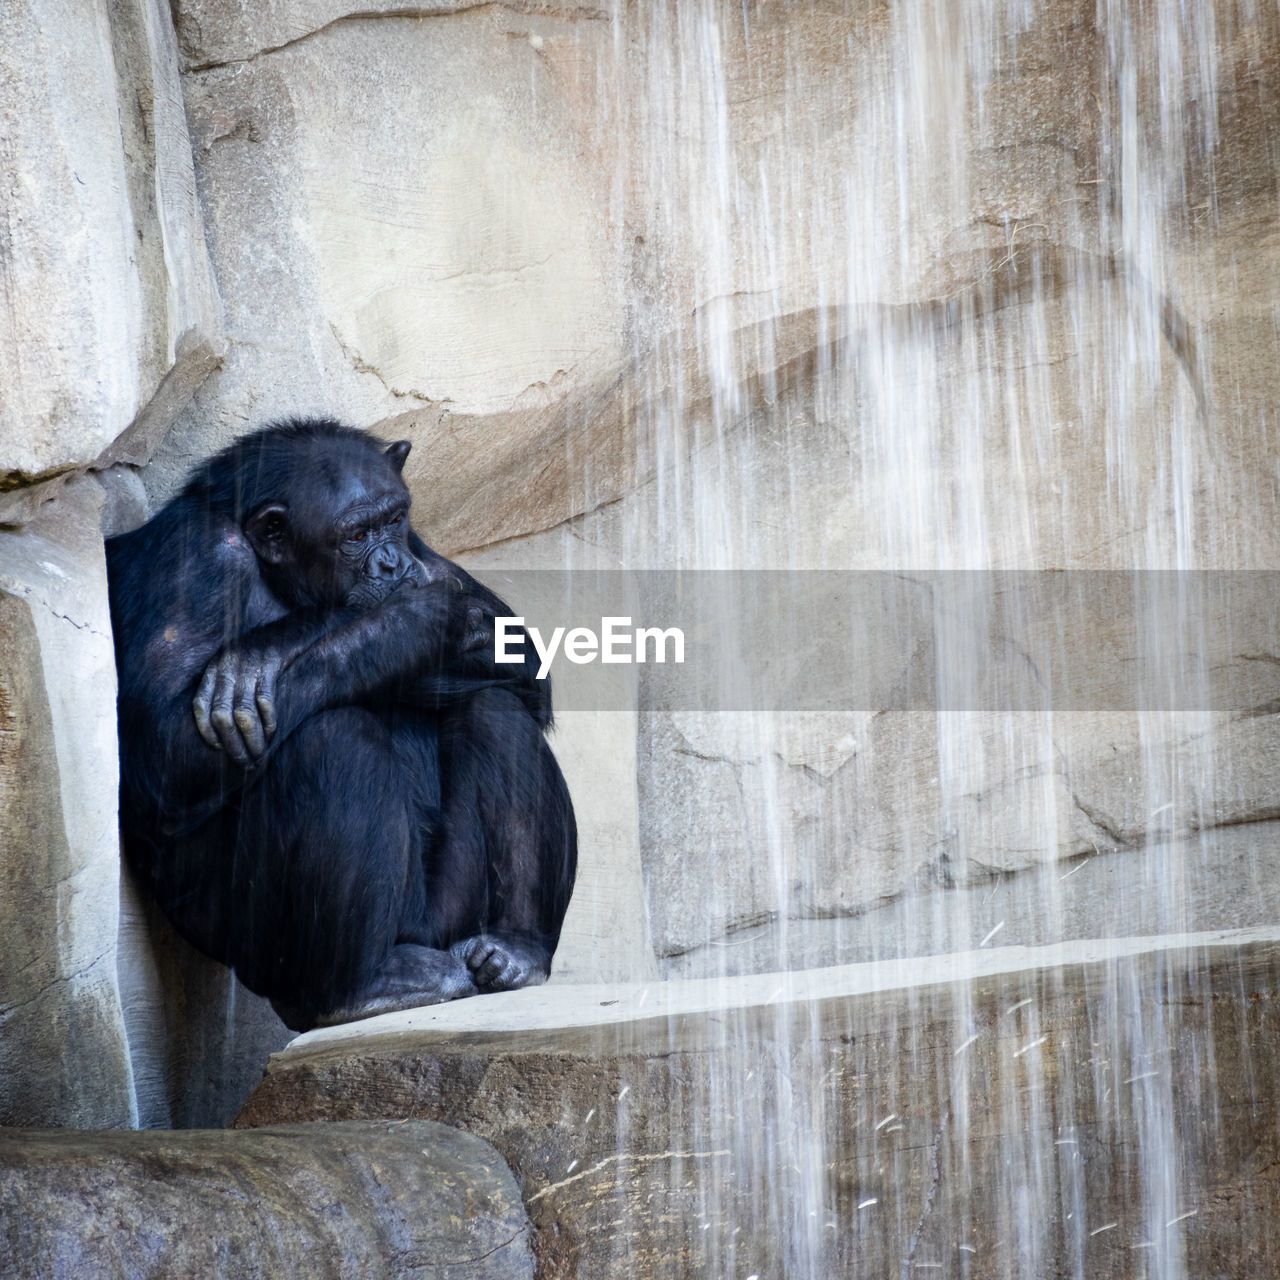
[
  {"x": 386, "y": 1200},
  {"x": 1009, "y": 1112},
  {"x": 678, "y": 216}
]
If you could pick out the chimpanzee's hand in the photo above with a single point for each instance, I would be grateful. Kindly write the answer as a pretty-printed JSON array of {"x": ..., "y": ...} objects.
[
  {"x": 477, "y": 627},
  {"x": 235, "y": 705},
  {"x": 443, "y": 601}
]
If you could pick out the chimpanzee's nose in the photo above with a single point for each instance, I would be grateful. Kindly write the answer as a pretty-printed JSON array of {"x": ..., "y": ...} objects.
[{"x": 387, "y": 562}]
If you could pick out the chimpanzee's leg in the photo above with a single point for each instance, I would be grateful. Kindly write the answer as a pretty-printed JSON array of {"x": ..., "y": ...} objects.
[
  {"x": 328, "y": 865},
  {"x": 509, "y": 833}
]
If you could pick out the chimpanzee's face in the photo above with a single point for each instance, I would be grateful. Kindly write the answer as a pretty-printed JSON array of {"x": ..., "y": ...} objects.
[{"x": 340, "y": 536}]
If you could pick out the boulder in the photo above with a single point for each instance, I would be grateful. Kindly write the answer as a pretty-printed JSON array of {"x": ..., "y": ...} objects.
[{"x": 383, "y": 1200}]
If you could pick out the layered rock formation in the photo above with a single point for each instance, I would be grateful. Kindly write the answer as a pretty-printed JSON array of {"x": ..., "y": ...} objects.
[{"x": 64, "y": 1053}]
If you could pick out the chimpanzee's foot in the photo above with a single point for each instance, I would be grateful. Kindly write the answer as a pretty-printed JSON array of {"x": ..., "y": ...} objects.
[
  {"x": 411, "y": 977},
  {"x": 501, "y": 962}
]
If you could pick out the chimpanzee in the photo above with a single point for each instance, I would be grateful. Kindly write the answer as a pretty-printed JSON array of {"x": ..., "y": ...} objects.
[{"x": 327, "y": 781}]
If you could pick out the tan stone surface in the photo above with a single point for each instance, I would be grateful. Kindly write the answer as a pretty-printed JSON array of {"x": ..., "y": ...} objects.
[
  {"x": 702, "y": 177},
  {"x": 102, "y": 257},
  {"x": 416, "y": 253},
  {"x": 605, "y": 937}
]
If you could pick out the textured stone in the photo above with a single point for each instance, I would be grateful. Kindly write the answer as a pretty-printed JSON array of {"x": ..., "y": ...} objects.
[
  {"x": 214, "y": 32},
  {"x": 63, "y": 1048},
  {"x": 107, "y": 1019},
  {"x": 385, "y": 1200},
  {"x": 702, "y": 177},
  {"x": 810, "y": 815},
  {"x": 198, "y": 1039},
  {"x": 371, "y": 246},
  {"x": 605, "y": 939},
  {"x": 1014, "y": 1112},
  {"x": 1224, "y": 878},
  {"x": 102, "y": 256}
]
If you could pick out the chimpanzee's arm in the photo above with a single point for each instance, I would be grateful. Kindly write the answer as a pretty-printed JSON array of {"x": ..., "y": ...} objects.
[
  {"x": 474, "y": 666},
  {"x": 194, "y": 624},
  {"x": 183, "y": 586},
  {"x": 428, "y": 645},
  {"x": 271, "y": 679}
]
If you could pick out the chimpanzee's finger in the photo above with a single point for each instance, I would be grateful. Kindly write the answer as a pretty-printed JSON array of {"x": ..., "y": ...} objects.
[
  {"x": 245, "y": 710},
  {"x": 224, "y": 722},
  {"x": 266, "y": 700},
  {"x": 222, "y": 712},
  {"x": 488, "y": 973},
  {"x": 250, "y": 726},
  {"x": 200, "y": 706},
  {"x": 478, "y": 628}
]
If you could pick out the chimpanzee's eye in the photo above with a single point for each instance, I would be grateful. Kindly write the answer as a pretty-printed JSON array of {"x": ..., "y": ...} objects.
[
  {"x": 357, "y": 537},
  {"x": 399, "y": 519}
]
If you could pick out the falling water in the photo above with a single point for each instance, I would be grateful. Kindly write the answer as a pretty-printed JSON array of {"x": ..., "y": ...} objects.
[{"x": 938, "y": 298}]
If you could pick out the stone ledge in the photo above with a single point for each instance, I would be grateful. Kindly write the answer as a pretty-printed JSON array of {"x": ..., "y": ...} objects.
[
  {"x": 556, "y": 1008},
  {"x": 1108, "y": 1105}
]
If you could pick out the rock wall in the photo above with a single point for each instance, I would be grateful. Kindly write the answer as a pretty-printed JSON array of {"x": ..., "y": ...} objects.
[
  {"x": 848, "y": 286},
  {"x": 701, "y": 178},
  {"x": 916, "y": 288},
  {"x": 111, "y": 319},
  {"x": 109, "y": 292}
]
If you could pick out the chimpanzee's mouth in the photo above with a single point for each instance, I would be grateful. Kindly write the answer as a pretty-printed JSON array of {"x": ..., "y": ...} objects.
[
  {"x": 367, "y": 595},
  {"x": 369, "y": 592}
]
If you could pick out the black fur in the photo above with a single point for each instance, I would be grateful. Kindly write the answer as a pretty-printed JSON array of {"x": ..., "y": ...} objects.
[{"x": 326, "y": 781}]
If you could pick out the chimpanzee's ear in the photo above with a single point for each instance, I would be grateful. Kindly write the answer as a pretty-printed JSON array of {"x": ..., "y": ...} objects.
[
  {"x": 398, "y": 452},
  {"x": 266, "y": 528}
]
